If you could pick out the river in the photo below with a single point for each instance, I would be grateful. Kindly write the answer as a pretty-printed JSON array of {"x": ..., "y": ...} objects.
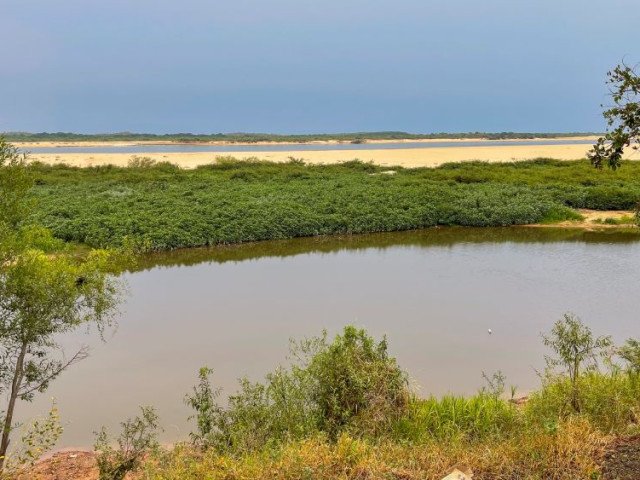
[{"x": 434, "y": 293}]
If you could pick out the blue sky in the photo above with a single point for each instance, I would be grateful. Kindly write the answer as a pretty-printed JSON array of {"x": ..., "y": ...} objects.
[{"x": 300, "y": 66}]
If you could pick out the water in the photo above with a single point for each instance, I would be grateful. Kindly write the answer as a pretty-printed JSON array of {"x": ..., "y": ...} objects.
[
  {"x": 434, "y": 293},
  {"x": 184, "y": 148}
]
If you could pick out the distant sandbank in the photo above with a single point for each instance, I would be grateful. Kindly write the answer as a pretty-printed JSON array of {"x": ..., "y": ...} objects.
[
  {"x": 27, "y": 145},
  {"x": 409, "y": 157}
]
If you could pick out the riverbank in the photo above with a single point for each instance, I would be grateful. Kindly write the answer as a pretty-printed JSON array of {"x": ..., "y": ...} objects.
[
  {"x": 595, "y": 220},
  {"x": 25, "y": 145},
  {"x": 163, "y": 207},
  {"x": 613, "y": 459},
  {"x": 282, "y": 427},
  {"x": 405, "y": 157}
]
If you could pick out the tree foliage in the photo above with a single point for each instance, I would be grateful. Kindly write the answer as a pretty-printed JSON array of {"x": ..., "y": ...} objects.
[
  {"x": 42, "y": 295},
  {"x": 623, "y": 118},
  {"x": 576, "y": 349}
]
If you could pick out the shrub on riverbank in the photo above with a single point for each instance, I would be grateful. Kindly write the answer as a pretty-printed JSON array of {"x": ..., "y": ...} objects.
[
  {"x": 350, "y": 384},
  {"x": 241, "y": 201}
]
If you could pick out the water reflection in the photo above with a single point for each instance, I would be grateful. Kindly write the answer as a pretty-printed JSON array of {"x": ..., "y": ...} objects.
[{"x": 445, "y": 236}]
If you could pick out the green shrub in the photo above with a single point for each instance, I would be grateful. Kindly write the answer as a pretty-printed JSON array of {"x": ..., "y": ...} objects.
[
  {"x": 356, "y": 383},
  {"x": 576, "y": 350},
  {"x": 348, "y": 384},
  {"x": 138, "y": 437}
]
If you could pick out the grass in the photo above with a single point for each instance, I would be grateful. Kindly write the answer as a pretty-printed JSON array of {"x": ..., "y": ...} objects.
[
  {"x": 624, "y": 220},
  {"x": 572, "y": 453},
  {"x": 234, "y": 201}
]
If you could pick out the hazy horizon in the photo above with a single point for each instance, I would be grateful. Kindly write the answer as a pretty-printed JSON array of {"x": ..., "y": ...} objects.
[{"x": 298, "y": 67}]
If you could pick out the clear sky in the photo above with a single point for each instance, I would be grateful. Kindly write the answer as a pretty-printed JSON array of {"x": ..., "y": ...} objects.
[{"x": 301, "y": 66}]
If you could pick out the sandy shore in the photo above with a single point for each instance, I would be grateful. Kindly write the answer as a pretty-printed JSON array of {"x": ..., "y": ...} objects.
[
  {"x": 595, "y": 220},
  {"x": 27, "y": 145},
  {"x": 410, "y": 157}
]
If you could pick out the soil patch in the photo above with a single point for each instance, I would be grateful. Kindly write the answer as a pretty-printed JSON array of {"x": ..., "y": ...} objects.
[{"x": 622, "y": 460}]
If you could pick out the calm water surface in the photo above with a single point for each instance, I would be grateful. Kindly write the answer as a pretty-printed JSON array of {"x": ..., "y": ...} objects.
[
  {"x": 180, "y": 148},
  {"x": 433, "y": 293}
]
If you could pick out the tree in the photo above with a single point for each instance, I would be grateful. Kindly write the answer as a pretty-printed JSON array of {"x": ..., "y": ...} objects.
[
  {"x": 575, "y": 348},
  {"x": 44, "y": 292},
  {"x": 623, "y": 119}
]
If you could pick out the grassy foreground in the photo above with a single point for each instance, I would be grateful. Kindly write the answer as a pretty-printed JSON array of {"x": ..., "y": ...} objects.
[
  {"x": 233, "y": 201},
  {"x": 343, "y": 409}
]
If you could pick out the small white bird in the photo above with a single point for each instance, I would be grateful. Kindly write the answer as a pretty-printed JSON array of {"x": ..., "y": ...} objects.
[{"x": 490, "y": 331}]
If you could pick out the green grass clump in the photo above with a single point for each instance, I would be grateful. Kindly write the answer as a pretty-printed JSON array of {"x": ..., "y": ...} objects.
[
  {"x": 610, "y": 402},
  {"x": 624, "y": 220},
  {"x": 233, "y": 201},
  {"x": 473, "y": 418}
]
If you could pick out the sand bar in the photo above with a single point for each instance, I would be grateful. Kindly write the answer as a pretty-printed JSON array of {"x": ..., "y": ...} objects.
[
  {"x": 410, "y": 157},
  {"x": 115, "y": 143}
]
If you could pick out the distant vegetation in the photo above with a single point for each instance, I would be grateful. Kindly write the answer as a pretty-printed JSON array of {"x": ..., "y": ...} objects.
[
  {"x": 357, "y": 137},
  {"x": 230, "y": 201}
]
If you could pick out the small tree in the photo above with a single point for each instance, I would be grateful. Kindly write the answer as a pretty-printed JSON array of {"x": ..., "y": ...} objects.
[
  {"x": 39, "y": 436},
  {"x": 575, "y": 349},
  {"x": 43, "y": 293},
  {"x": 208, "y": 412},
  {"x": 138, "y": 436},
  {"x": 623, "y": 118}
]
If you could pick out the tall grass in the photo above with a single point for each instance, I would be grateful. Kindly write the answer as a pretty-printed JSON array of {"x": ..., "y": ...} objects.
[
  {"x": 571, "y": 453},
  {"x": 609, "y": 401},
  {"x": 473, "y": 418}
]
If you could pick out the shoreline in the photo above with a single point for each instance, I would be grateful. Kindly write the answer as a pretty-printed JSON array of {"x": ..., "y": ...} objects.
[{"x": 116, "y": 143}]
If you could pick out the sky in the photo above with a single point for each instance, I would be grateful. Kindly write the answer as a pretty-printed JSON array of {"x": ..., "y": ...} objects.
[{"x": 310, "y": 66}]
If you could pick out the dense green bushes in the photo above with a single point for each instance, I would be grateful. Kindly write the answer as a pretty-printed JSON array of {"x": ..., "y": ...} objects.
[{"x": 233, "y": 201}]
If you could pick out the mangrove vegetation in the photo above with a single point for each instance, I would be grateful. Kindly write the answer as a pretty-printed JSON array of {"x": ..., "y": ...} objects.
[{"x": 162, "y": 206}]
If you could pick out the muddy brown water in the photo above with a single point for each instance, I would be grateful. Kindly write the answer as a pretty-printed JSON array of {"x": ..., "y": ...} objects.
[{"x": 434, "y": 293}]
